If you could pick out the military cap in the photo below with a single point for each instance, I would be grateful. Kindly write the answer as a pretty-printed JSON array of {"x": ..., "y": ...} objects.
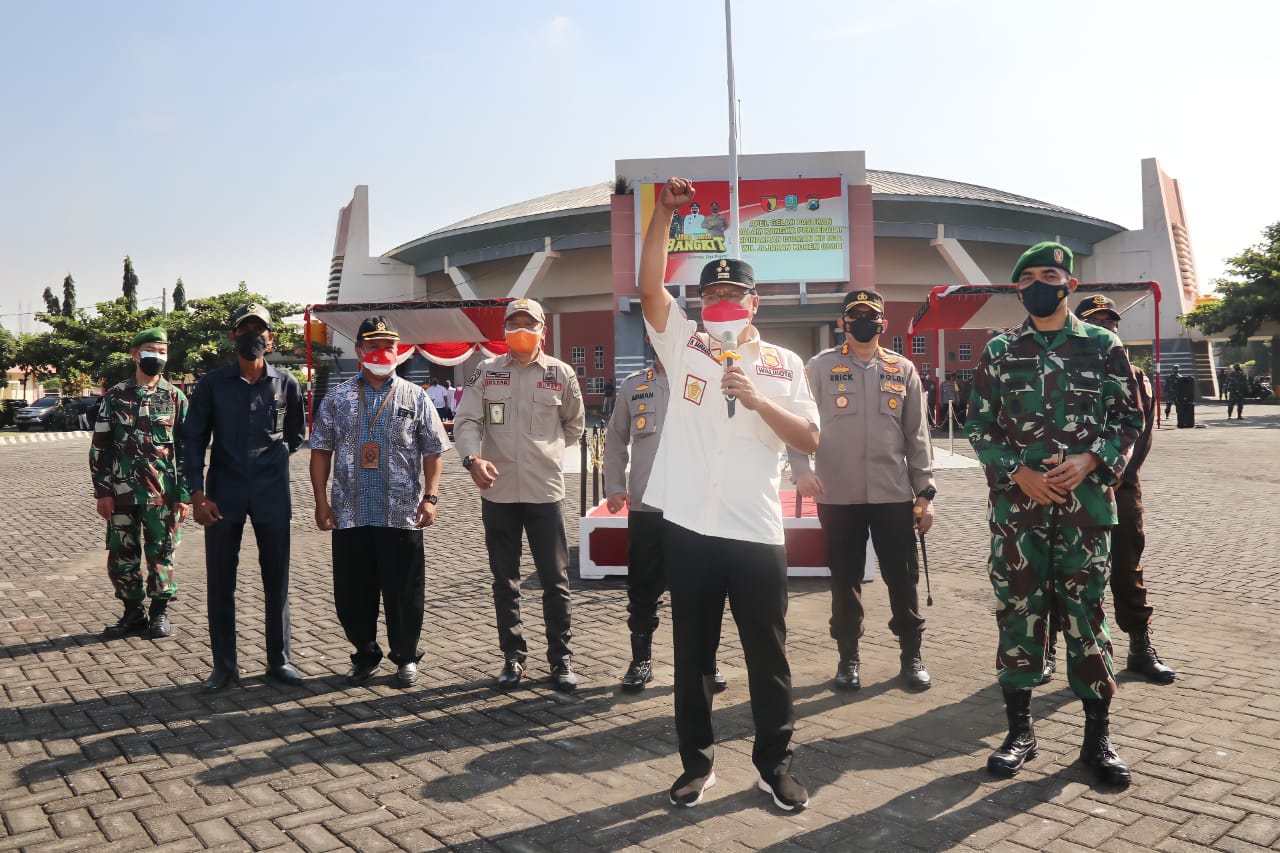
[
  {"x": 150, "y": 336},
  {"x": 375, "y": 328},
  {"x": 253, "y": 309},
  {"x": 728, "y": 271},
  {"x": 1047, "y": 254},
  {"x": 1091, "y": 305},
  {"x": 863, "y": 297},
  {"x": 526, "y": 306}
]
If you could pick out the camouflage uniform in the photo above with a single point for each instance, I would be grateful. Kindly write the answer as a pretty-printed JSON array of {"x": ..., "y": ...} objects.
[
  {"x": 1035, "y": 395},
  {"x": 1237, "y": 391},
  {"x": 135, "y": 458}
]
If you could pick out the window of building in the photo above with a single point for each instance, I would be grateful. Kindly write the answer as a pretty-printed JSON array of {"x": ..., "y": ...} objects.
[
  {"x": 926, "y": 369},
  {"x": 918, "y": 346},
  {"x": 965, "y": 373},
  {"x": 595, "y": 385},
  {"x": 581, "y": 371},
  {"x": 966, "y": 352},
  {"x": 599, "y": 357},
  {"x": 897, "y": 343},
  {"x": 578, "y": 355}
]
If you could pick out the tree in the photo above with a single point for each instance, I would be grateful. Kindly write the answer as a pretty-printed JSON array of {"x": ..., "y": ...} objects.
[
  {"x": 8, "y": 350},
  {"x": 179, "y": 296},
  {"x": 51, "y": 301},
  {"x": 68, "y": 296},
  {"x": 130, "y": 286}
]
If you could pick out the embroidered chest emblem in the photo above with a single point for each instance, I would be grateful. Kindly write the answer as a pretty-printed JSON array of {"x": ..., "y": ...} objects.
[{"x": 694, "y": 388}]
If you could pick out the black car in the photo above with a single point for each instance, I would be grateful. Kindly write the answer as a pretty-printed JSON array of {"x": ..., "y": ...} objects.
[{"x": 9, "y": 411}]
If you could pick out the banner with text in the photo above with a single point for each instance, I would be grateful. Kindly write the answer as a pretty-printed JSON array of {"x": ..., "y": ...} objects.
[{"x": 789, "y": 229}]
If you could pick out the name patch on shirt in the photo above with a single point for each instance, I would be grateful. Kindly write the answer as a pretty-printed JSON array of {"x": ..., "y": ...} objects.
[
  {"x": 402, "y": 412},
  {"x": 551, "y": 386},
  {"x": 694, "y": 387},
  {"x": 502, "y": 377},
  {"x": 696, "y": 343},
  {"x": 779, "y": 372}
]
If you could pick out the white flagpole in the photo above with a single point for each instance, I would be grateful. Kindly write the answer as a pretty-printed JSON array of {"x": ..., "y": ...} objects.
[{"x": 732, "y": 231}]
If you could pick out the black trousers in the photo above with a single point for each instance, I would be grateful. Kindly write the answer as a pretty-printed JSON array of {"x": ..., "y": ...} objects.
[
  {"x": 380, "y": 562},
  {"x": 1127, "y": 544},
  {"x": 504, "y": 523},
  {"x": 646, "y": 574},
  {"x": 221, "y": 561},
  {"x": 702, "y": 570},
  {"x": 891, "y": 527}
]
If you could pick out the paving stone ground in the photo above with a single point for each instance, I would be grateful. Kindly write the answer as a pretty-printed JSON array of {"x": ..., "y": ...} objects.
[{"x": 110, "y": 746}]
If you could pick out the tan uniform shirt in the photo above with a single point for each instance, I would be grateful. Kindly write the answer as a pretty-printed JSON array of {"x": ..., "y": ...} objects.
[
  {"x": 875, "y": 437},
  {"x": 521, "y": 418},
  {"x": 634, "y": 431}
]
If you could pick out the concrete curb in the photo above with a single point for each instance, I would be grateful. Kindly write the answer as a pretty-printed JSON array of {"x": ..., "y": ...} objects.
[{"x": 30, "y": 437}]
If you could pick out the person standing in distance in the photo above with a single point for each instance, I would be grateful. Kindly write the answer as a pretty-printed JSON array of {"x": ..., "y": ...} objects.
[
  {"x": 135, "y": 462},
  {"x": 517, "y": 416},
  {"x": 1237, "y": 391},
  {"x": 716, "y": 480},
  {"x": 1051, "y": 418},
  {"x": 252, "y": 412},
  {"x": 387, "y": 440},
  {"x": 874, "y": 476}
]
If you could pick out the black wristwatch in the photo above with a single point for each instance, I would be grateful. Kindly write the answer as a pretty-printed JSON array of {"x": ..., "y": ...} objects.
[
  {"x": 432, "y": 499},
  {"x": 468, "y": 461},
  {"x": 928, "y": 494}
]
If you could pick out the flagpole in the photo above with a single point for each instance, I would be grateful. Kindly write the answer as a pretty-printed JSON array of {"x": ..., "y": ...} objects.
[{"x": 732, "y": 231}]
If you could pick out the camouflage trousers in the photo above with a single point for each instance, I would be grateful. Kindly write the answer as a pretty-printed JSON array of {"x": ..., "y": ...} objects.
[
  {"x": 132, "y": 531},
  {"x": 1036, "y": 579}
]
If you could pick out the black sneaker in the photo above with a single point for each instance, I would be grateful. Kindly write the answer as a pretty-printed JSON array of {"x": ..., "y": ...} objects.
[
  {"x": 512, "y": 672},
  {"x": 788, "y": 793},
  {"x": 687, "y": 791},
  {"x": 562, "y": 677}
]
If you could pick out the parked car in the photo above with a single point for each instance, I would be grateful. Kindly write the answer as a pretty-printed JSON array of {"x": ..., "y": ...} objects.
[
  {"x": 1261, "y": 388},
  {"x": 39, "y": 414},
  {"x": 9, "y": 411}
]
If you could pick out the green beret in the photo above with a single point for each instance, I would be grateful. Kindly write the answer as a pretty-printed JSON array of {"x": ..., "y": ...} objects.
[
  {"x": 1046, "y": 254},
  {"x": 150, "y": 336}
]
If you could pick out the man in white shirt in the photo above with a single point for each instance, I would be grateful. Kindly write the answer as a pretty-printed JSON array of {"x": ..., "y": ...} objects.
[{"x": 736, "y": 403}]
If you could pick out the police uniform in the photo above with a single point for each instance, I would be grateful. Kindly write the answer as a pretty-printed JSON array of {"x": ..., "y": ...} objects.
[
  {"x": 135, "y": 458},
  {"x": 521, "y": 417},
  {"x": 254, "y": 428},
  {"x": 873, "y": 461},
  {"x": 1040, "y": 396},
  {"x": 716, "y": 480}
]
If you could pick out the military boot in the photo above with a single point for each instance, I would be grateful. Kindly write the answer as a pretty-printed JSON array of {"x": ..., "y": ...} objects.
[
  {"x": 1097, "y": 752},
  {"x": 133, "y": 620},
  {"x": 1050, "y": 655},
  {"x": 1020, "y": 744},
  {"x": 158, "y": 622},
  {"x": 917, "y": 677},
  {"x": 847, "y": 677},
  {"x": 1143, "y": 658},
  {"x": 640, "y": 672}
]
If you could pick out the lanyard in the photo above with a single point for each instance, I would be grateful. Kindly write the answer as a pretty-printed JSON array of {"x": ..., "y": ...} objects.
[{"x": 378, "y": 414}]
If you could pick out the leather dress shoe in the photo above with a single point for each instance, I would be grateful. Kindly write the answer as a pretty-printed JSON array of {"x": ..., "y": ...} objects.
[
  {"x": 407, "y": 674},
  {"x": 563, "y": 678},
  {"x": 719, "y": 683},
  {"x": 360, "y": 673},
  {"x": 285, "y": 674},
  {"x": 847, "y": 675},
  {"x": 512, "y": 672},
  {"x": 221, "y": 679}
]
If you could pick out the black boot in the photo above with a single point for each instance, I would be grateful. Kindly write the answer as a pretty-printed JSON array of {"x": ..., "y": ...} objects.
[
  {"x": 640, "y": 672},
  {"x": 1050, "y": 655},
  {"x": 1143, "y": 658},
  {"x": 847, "y": 676},
  {"x": 1097, "y": 752},
  {"x": 133, "y": 620},
  {"x": 158, "y": 623},
  {"x": 1020, "y": 744},
  {"x": 913, "y": 670}
]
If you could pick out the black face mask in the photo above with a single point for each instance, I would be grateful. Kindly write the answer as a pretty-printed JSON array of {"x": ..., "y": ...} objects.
[
  {"x": 151, "y": 363},
  {"x": 1041, "y": 299},
  {"x": 863, "y": 329},
  {"x": 251, "y": 346}
]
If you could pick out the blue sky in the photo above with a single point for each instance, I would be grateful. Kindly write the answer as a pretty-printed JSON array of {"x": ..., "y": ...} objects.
[{"x": 217, "y": 141}]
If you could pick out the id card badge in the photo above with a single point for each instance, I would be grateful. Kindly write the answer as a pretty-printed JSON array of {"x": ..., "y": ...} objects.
[
  {"x": 497, "y": 413},
  {"x": 369, "y": 455}
]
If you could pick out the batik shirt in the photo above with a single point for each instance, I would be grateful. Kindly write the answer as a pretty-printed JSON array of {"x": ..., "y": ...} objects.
[{"x": 137, "y": 445}]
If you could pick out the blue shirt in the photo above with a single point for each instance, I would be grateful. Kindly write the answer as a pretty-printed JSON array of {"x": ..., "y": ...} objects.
[{"x": 253, "y": 427}]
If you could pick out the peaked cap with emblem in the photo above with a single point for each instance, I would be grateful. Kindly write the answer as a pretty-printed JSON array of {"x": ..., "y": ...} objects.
[
  {"x": 377, "y": 328},
  {"x": 1047, "y": 254},
  {"x": 1091, "y": 305},
  {"x": 526, "y": 306},
  {"x": 728, "y": 271},
  {"x": 863, "y": 297},
  {"x": 150, "y": 336},
  {"x": 253, "y": 309}
]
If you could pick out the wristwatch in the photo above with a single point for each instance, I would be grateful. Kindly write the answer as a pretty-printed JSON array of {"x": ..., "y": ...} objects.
[
  {"x": 928, "y": 494},
  {"x": 468, "y": 461},
  {"x": 432, "y": 499},
  {"x": 1013, "y": 469}
]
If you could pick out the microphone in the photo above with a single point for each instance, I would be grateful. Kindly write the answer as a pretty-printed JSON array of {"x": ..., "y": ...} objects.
[{"x": 728, "y": 341}]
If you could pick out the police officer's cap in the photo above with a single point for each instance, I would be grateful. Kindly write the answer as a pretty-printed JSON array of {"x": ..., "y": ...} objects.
[
  {"x": 526, "y": 306},
  {"x": 376, "y": 328},
  {"x": 253, "y": 309},
  {"x": 728, "y": 271},
  {"x": 1096, "y": 304},
  {"x": 1047, "y": 254},
  {"x": 854, "y": 298},
  {"x": 150, "y": 336}
]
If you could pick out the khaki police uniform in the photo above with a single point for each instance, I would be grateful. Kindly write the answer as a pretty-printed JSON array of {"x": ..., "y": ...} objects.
[{"x": 521, "y": 418}]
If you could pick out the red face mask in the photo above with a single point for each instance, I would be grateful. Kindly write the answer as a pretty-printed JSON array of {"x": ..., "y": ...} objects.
[{"x": 379, "y": 362}]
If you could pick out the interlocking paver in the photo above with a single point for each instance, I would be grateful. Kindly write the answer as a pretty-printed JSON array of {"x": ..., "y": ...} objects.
[{"x": 111, "y": 746}]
